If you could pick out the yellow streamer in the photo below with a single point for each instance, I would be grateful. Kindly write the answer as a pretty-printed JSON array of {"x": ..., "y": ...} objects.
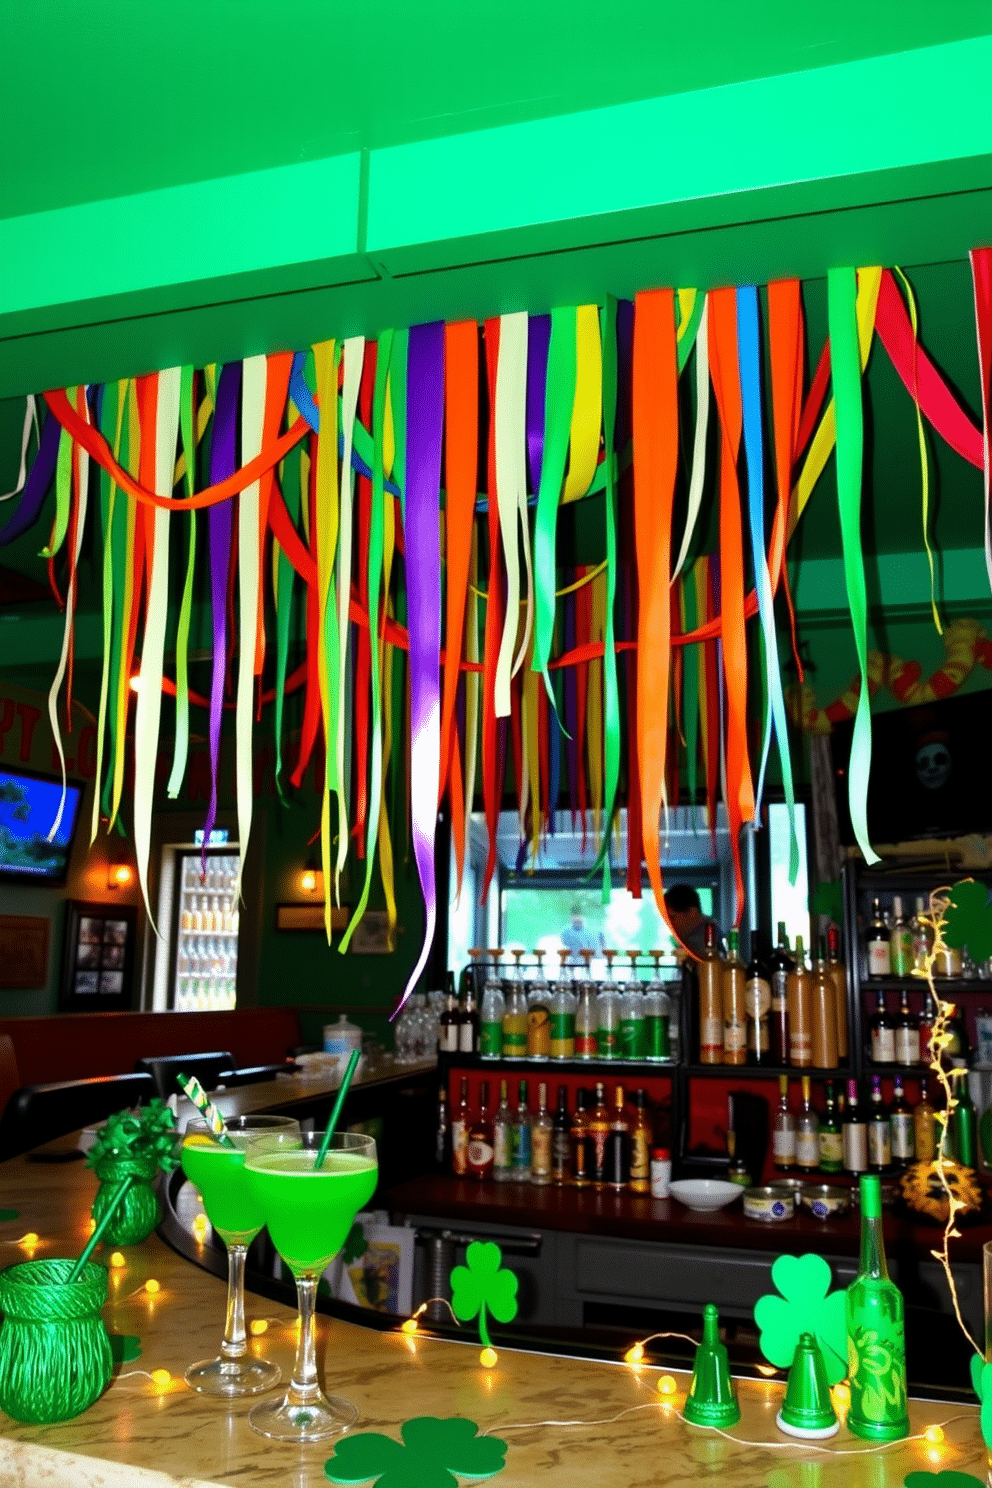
[
  {"x": 123, "y": 680},
  {"x": 386, "y": 665},
  {"x": 594, "y": 710},
  {"x": 587, "y": 409},
  {"x": 325, "y": 363},
  {"x": 924, "y": 470},
  {"x": 586, "y": 578}
]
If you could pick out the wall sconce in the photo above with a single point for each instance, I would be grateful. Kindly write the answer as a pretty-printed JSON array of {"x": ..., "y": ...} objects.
[
  {"x": 311, "y": 880},
  {"x": 119, "y": 875}
]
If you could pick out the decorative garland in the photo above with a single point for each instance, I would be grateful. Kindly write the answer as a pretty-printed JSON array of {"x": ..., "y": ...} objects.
[{"x": 581, "y": 402}]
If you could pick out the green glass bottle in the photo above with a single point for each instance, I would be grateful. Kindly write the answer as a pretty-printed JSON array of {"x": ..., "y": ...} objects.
[{"x": 876, "y": 1341}]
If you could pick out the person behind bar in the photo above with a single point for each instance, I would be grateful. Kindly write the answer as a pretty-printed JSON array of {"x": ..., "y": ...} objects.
[
  {"x": 687, "y": 919},
  {"x": 576, "y": 937}
]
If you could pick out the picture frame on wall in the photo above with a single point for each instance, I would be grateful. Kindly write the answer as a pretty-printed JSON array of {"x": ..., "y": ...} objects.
[{"x": 98, "y": 957}]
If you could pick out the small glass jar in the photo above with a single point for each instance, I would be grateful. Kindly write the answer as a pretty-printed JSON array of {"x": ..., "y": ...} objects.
[{"x": 54, "y": 1350}]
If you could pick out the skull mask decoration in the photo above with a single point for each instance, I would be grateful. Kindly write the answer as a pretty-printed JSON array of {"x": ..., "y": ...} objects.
[{"x": 933, "y": 764}]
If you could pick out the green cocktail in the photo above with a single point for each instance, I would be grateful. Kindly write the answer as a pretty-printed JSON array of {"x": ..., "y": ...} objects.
[
  {"x": 217, "y": 1170},
  {"x": 309, "y": 1211}
]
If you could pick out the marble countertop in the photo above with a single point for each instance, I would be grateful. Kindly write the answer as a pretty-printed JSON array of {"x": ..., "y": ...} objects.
[{"x": 568, "y": 1423}]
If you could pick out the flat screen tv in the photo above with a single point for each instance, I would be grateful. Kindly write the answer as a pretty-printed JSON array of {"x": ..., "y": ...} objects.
[
  {"x": 931, "y": 770},
  {"x": 28, "y": 806}
]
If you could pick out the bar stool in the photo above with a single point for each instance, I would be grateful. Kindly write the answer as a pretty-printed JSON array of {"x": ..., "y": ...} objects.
[
  {"x": 163, "y": 1069},
  {"x": 39, "y": 1113}
]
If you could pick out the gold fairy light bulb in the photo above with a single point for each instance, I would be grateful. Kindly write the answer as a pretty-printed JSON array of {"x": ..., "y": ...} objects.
[
  {"x": 258, "y": 1326},
  {"x": 117, "y": 1260},
  {"x": 666, "y": 1385},
  {"x": 152, "y": 1287},
  {"x": 634, "y": 1354},
  {"x": 488, "y": 1358},
  {"x": 934, "y": 1435},
  {"x": 161, "y": 1377}
]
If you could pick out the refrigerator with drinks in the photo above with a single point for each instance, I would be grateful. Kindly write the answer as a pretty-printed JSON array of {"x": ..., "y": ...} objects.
[{"x": 203, "y": 954}]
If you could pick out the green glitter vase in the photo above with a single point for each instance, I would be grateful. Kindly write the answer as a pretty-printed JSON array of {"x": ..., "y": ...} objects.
[
  {"x": 876, "y": 1337},
  {"x": 140, "y": 1210},
  {"x": 54, "y": 1350}
]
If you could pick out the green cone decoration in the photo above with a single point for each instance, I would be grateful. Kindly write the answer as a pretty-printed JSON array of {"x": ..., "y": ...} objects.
[
  {"x": 712, "y": 1399},
  {"x": 807, "y": 1410}
]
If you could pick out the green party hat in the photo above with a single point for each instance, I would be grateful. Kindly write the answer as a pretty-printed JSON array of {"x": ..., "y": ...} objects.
[
  {"x": 712, "y": 1399},
  {"x": 807, "y": 1410}
]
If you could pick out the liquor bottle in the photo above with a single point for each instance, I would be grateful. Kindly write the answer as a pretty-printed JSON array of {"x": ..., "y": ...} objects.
[
  {"x": 617, "y": 1161},
  {"x": 447, "y": 1028},
  {"x": 480, "y": 1138},
  {"x": 561, "y": 1147},
  {"x": 907, "y": 1032},
  {"x": 757, "y": 1007},
  {"x": 658, "y": 1017},
  {"x": 580, "y": 1143},
  {"x": 963, "y": 1121},
  {"x": 585, "y": 1013},
  {"x": 515, "y": 1014},
  {"x": 882, "y": 1032},
  {"x": 502, "y": 1138},
  {"x": 831, "y": 1141},
  {"x": 901, "y": 957},
  {"x": 807, "y": 1133},
  {"x": 442, "y": 1137},
  {"x": 459, "y": 1134},
  {"x": 539, "y": 1014},
  {"x": 608, "y": 1014},
  {"x": 541, "y": 1131},
  {"x": 563, "y": 1016},
  {"x": 922, "y": 935},
  {"x": 493, "y": 1008},
  {"x": 599, "y": 1127},
  {"x": 854, "y": 1132},
  {"x": 877, "y": 940},
  {"x": 734, "y": 1005},
  {"x": 924, "y": 1125},
  {"x": 824, "y": 1000},
  {"x": 800, "y": 1000},
  {"x": 640, "y": 1146},
  {"x": 520, "y": 1137},
  {"x": 876, "y": 1340},
  {"x": 778, "y": 971},
  {"x": 900, "y": 1127},
  {"x": 879, "y": 1130},
  {"x": 783, "y": 1129},
  {"x": 947, "y": 962},
  {"x": 468, "y": 1020},
  {"x": 925, "y": 1027},
  {"x": 709, "y": 973},
  {"x": 633, "y": 1028},
  {"x": 838, "y": 972},
  {"x": 956, "y": 1046}
]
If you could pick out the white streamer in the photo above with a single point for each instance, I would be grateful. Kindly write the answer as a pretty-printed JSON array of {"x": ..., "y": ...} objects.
[
  {"x": 354, "y": 356},
  {"x": 70, "y": 605},
  {"x": 30, "y": 414},
  {"x": 254, "y": 380},
  {"x": 511, "y": 485},
  {"x": 699, "y": 442}
]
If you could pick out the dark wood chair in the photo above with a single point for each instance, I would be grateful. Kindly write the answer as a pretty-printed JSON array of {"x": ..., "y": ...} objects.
[
  {"x": 36, "y": 1114},
  {"x": 254, "y": 1074},
  {"x": 164, "y": 1068}
]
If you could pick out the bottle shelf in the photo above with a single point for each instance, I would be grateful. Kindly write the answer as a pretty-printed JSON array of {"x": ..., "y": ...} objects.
[
  {"x": 541, "y": 1067},
  {"x": 215, "y": 934},
  {"x": 913, "y": 1071},
  {"x": 919, "y": 984},
  {"x": 767, "y": 1071}
]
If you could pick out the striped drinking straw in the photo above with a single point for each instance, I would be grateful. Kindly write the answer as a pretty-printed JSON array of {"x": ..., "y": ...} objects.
[{"x": 191, "y": 1087}]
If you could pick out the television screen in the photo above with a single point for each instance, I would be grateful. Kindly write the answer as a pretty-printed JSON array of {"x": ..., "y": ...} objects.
[
  {"x": 28, "y": 807},
  {"x": 931, "y": 770}
]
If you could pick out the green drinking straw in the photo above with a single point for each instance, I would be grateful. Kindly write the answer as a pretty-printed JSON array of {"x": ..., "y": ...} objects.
[
  {"x": 333, "y": 1121},
  {"x": 94, "y": 1239}
]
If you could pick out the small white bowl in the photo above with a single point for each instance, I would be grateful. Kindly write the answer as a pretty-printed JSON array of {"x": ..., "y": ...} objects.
[{"x": 705, "y": 1194}]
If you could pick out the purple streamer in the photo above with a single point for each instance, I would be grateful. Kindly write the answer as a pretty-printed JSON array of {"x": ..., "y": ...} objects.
[
  {"x": 571, "y": 706},
  {"x": 424, "y": 423},
  {"x": 37, "y": 484},
  {"x": 538, "y": 341},
  {"x": 223, "y": 456},
  {"x": 623, "y": 428}
]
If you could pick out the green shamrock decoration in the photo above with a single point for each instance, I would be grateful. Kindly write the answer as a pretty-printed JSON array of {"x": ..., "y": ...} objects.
[
  {"x": 355, "y": 1245},
  {"x": 8, "y": 1214},
  {"x": 481, "y": 1285},
  {"x": 803, "y": 1307},
  {"x": 968, "y": 919},
  {"x": 434, "y": 1450},
  {"x": 124, "y": 1348},
  {"x": 945, "y": 1479},
  {"x": 981, "y": 1379}
]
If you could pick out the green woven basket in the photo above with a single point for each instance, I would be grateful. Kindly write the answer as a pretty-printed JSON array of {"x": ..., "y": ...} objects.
[
  {"x": 54, "y": 1350},
  {"x": 140, "y": 1210}
]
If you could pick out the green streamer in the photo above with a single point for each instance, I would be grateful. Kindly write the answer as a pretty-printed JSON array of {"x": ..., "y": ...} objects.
[
  {"x": 686, "y": 342},
  {"x": 397, "y": 399},
  {"x": 330, "y": 639},
  {"x": 63, "y": 488},
  {"x": 110, "y": 407},
  {"x": 375, "y": 575},
  {"x": 181, "y": 749},
  {"x": 118, "y": 559},
  {"x": 559, "y": 398},
  {"x": 293, "y": 494},
  {"x": 845, "y": 369},
  {"x": 611, "y": 699}
]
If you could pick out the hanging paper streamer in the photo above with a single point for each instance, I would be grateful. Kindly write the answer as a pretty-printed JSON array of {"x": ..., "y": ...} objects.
[
  {"x": 981, "y": 273},
  {"x": 222, "y": 458},
  {"x": 846, "y": 373},
  {"x": 698, "y": 476},
  {"x": 425, "y": 415},
  {"x": 559, "y": 399},
  {"x": 249, "y": 577},
  {"x": 354, "y": 355},
  {"x": 511, "y": 487}
]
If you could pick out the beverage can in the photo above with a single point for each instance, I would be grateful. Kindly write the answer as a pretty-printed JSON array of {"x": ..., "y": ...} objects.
[
  {"x": 490, "y": 1040},
  {"x": 661, "y": 1172}
]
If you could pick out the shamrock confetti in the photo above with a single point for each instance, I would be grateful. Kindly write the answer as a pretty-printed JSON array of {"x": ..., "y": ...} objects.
[
  {"x": 804, "y": 1282},
  {"x": 946, "y": 1479},
  {"x": 481, "y": 1285},
  {"x": 434, "y": 1454},
  {"x": 968, "y": 919},
  {"x": 981, "y": 1379}
]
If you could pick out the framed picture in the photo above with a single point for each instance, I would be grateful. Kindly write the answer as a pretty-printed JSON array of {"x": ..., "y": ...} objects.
[
  {"x": 23, "y": 952},
  {"x": 98, "y": 957}
]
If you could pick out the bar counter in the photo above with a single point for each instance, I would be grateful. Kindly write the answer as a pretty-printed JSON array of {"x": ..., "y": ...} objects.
[{"x": 142, "y": 1435}]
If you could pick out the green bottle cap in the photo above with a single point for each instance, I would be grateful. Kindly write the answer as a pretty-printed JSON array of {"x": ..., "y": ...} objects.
[
  {"x": 871, "y": 1196},
  {"x": 807, "y": 1410},
  {"x": 712, "y": 1400}
]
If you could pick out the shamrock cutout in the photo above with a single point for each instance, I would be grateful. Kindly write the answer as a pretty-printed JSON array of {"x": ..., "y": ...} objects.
[
  {"x": 434, "y": 1450},
  {"x": 481, "y": 1285},
  {"x": 981, "y": 1379},
  {"x": 124, "y": 1348},
  {"x": 804, "y": 1307},
  {"x": 968, "y": 919},
  {"x": 355, "y": 1245},
  {"x": 945, "y": 1479},
  {"x": 9, "y": 1214}
]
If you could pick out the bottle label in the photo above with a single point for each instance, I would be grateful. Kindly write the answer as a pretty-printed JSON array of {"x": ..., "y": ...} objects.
[
  {"x": 520, "y": 1147},
  {"x": 597, "y": 1138},
  {"x": 856, "y": 1147},
  {"x": 608, "y": 1043},
  {"x": 901, "y": 957},
  {"x": 831, "y": 1151},
  {"x": 876, "y": 1347},
  {"x": 907, "y": 1045},
  {"x": 633, "y": 1038},
  {"x": 657, "y": 1040},
  {"x": 562, "y": 1035},
  {"x": 901, "y": 1123},
  {"x": 538, "y": 1031},
  {"x": 925, "y": 1136},
  {"x": 501, "y": 1145},
  {"x": 515, "y": 1035},
  {"x": 466, "y": 1037},
  {"x": 800, "y": 1047},
  {"x": 711, "y": 1040},
  {"x": 448, "y": 1039},
  {"x": 779, "y": 990},
  {"x": 883, "y": 1045},
  {"x": 561, "y": 1153},
  {"x": 807, "y": 1149},
  {"x": 640, "y": 1160},
  {"x": 734, "y": 1038},
  {"x": 879, "y": 1144},
  {"x": 784, "y": 1148},
  {"x": 480, "y": 1155},
  {"x": 757, "y": 997},
  {"x": 540, "y": 1161},
  {"x": 585, "y": 1045},
  {"x": 490, "y": 1040},
  {"x": 878, "y": 958},
  {"x": 459, "y": 1148},
  {"x": 579, "y": 1143},
  {"x": 617, "y": 1160}
]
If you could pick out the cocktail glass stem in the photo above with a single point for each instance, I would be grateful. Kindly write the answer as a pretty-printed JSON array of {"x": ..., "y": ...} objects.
[
  {"x": 304, "y": 1389},
  {"x": 235, "y": 1343}
]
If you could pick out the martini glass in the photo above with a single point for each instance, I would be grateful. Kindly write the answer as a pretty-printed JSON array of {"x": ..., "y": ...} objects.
[
  {"x": 218, "y": 1172},
  {"x": 309, "y": 1212}
]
